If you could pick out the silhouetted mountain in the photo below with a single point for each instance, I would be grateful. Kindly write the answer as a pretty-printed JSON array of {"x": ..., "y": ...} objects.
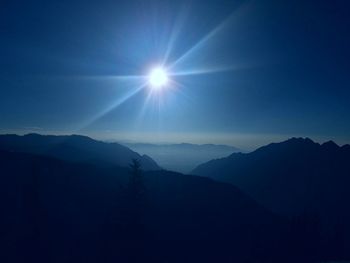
[
  {"x": 292, "y": 178},
  {"x": 54, "y": 210},
  {"x": 75, "y": 148},
  {"x": 183, "y": 157}
]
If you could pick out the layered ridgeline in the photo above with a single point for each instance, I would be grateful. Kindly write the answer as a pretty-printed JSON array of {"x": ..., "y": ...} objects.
[
  {"x": 182, "y": 157},
  {"x": 75, "y": 148},
  {"x": 288, "y": 177},
  {"x": 296, "y": 178},
  {"x": 83, "y": 206},
  {"x": 54, "y": 210}
]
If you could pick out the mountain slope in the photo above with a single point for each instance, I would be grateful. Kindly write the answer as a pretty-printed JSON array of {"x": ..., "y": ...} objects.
[
  {"x": 74, "y": 212},
  {"x": 75, "y": 148},
  {"x": 300, "y": 179},
  {"x": 291, "y": 177}
]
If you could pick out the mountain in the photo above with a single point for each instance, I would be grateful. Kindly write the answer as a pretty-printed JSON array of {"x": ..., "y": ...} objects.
[
  {"x": 75, "y": 148},
  {"x": 59, "y": 211},
  {"x": 182, "y": 157},
  {"x": 292, "y": 178}
]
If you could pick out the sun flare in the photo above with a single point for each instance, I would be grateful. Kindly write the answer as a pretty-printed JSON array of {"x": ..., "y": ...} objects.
[{"x": 158, "y": 78}]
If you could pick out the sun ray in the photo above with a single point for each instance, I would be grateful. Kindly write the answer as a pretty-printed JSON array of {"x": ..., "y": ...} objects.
[
  {"x": 113, "y": 106},
  {"x": 200, "y": 43},
  {"x": 180, "y": 21},
  {"x": 209, "y": 36},
  {"x": 115, "y": 77},
  {"x": 214, "y": 70}
]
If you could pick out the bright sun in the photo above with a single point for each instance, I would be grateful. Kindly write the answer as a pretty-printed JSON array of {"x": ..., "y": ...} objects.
[{"x": 158, "y": 78}]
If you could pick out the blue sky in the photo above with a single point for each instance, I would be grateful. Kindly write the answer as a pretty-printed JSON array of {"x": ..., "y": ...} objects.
[{"x": 269, "y": 70}]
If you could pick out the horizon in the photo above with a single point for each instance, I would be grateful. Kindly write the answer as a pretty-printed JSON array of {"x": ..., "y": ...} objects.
[{"x": 126, "y": 140}]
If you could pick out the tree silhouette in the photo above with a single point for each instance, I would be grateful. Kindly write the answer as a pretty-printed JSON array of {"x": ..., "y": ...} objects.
[
  {"x": 136, "y": 185},
  {"x": 136, "y": 219}
]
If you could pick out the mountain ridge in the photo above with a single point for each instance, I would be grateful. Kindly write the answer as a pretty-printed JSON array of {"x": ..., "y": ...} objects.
[
  {"x": 289, "y": 177},
  {"x": 75, "y": 148}
]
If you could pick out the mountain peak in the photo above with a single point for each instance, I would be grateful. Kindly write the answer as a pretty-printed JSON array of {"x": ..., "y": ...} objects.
[
  {"x": 300, "y": 140},
  {"x": 330, "y": 145},
  {"x": 32, "y": 135},
  {"x": 294, "y": 144}
]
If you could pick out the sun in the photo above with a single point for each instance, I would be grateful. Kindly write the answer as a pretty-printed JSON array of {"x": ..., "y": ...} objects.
[{"x": 158, "y": 78}]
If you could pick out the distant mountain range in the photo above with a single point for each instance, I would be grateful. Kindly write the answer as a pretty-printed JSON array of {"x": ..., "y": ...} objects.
[
  {"x": 182, "y": 157},
  {"x": 292, "y": 178},
  {"x": 75, "y": 148}
]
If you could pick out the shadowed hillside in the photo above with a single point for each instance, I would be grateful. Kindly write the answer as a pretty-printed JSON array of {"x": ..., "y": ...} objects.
[
  {"x": 59, "y": 211},
  {"x": 296, "y": 178}
]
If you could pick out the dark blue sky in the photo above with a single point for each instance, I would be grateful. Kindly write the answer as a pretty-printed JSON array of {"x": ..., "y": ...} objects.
[{"x": 275, "y": 69}]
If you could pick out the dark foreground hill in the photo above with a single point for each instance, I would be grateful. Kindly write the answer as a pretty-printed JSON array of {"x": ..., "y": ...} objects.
[
  {"x": 296, "y": 178},
  {"x": 56, "y": 211},
  {"x": 75, "y": 148}
]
